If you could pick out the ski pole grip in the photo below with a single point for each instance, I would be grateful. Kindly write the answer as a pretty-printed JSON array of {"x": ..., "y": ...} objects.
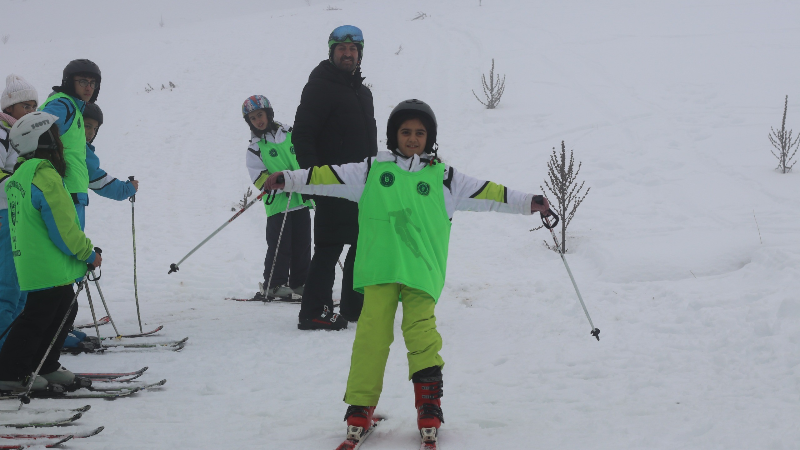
[
  {"x": 539, "y": 200},
  {"x": 172, "y": 268},
  {"x": 132, "y": 197},
  {"x": 99, "y": 251}
]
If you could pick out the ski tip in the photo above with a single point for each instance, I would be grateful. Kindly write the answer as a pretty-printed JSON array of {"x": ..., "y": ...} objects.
[
  {"x": 95, "y": 432},
  {"x": 83, "y": 409}
]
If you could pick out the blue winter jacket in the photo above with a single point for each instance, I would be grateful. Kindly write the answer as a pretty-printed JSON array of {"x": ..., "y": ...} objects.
[{"x": 104, "y": 184}]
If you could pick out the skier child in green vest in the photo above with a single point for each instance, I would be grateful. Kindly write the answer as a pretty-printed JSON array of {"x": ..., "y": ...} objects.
[
  {"x": 80, "y": 84},
  {"x": 271, "y": 150},
  {"x": 50, "y": 254},
  {"x": 406, "y": 200}
]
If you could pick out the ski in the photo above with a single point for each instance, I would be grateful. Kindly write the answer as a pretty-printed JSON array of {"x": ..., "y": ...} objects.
[
  {"x": 36, "y": 443},
  {"x": 103, "y": 321},
  {"x": 80, "y": 393},
  {"x": 353, "y": 444},
  {"x": 140, "y": 386},
  {"x": 146, "y": 333},
  {"x": 79, "y": 435},
  {"x": 110, "y": 375},
  {"x": 292, "y": 300},
  {"x": 148, "y": 345},
  {"x": 115, "y": 380},
  {"x": 31, "y": 412},
  {"x": 50, "y": 420}
]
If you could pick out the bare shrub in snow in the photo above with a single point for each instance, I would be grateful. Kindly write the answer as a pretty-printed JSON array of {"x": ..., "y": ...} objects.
[
  {"x": 148, "y": 88},
  {"x": 493, "y": 90},
  {"x": 161, "y": 22},
  {"x": 565, "y": 189},
  {"x": 6, "y": 38},
  {"x": 420, "y": 15},
  {"x": 332, "y": 8},
  {"x": 399, "y": 50},
  {"x": 243, "y": 202},
  {"x": 782, "y": 141}
]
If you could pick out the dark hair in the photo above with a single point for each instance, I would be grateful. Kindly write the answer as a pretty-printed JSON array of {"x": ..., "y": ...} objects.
[
  {"x": 52, "y": 149},
  {"x": 272, "y": 126}
]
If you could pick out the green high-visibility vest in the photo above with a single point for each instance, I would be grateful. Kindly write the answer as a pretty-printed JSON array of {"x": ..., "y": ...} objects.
[
  {"x": 276, "y": 158},
  {"x": 77, "y": 177},
  {"x": 404, "y": 230},
  {"x": 40, "y": 264}
]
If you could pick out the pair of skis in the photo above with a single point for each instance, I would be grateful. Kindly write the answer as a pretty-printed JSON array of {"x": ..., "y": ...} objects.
[
  {"x": 41, "y": 418},
  {"x": 429, "y": 438}
]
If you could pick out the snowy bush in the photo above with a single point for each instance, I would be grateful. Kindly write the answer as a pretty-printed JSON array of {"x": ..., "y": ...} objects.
[
  {"x": 5, "y": 38},
  {"x": 565, "y": 189},
  {"x": 782, "y": 141},
  {"x": 493, "y": 90},
  {"x": 420, "y": 15}
]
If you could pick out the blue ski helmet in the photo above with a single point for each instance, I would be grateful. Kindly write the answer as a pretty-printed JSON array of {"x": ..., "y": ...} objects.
[{"x": 346, "y": 33}]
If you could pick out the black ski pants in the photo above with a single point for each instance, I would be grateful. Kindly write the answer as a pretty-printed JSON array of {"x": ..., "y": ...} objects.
[
  {"x": 294, "y": 254},
  {"x": 321, "y": 276},
  {"x": 33, "y": 332}
]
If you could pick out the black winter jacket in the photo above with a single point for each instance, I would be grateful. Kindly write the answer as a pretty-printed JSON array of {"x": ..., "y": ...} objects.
[{"x": 334, "y": 124}]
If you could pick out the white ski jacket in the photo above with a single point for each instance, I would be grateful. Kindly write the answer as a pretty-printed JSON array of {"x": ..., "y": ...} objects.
[
  {"x": 461, "y": 193},
  {"x": 8, "y": 158}
]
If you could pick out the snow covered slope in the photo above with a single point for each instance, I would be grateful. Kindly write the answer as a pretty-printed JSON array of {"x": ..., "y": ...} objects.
[{"x": 667, "y": 104}]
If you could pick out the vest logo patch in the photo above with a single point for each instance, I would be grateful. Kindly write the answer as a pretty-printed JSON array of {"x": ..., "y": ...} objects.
[
  {"x": 273, "y": 153},
  {"x": 387, "y": 179},
  {"x": 423, "y": 188},
  {"x": 291, "y": 150}
]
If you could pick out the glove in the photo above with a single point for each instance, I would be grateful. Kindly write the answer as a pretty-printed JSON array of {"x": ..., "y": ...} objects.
[
  {"x": 274, "y": 182},
  {"x": 540, "y": 204}
]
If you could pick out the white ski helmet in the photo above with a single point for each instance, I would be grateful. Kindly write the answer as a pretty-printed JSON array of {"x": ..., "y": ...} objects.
[{"x": 25, "y": 135}]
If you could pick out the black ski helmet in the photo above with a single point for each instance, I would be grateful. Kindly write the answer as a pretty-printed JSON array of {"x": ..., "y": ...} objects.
[
  {"x": 411, "y": 109},
  {"x": 76, "y": 67},
  {"x": 92, "y": 111}
]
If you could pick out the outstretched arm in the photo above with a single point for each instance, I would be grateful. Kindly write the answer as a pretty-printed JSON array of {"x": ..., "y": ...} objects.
[
  {"x": 344, "y": 181},
  {"x": 473, "y": 194},
  {"x": 104, "y": 184}
]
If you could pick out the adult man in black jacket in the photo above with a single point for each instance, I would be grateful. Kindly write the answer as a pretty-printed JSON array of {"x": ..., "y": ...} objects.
[{"x": 334, "y": 124}]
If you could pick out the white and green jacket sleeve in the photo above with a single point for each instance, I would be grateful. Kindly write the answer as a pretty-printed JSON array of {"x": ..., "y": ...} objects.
[
  {"x": 461, "y": 193},
  {"x": 8, "y": 158}
]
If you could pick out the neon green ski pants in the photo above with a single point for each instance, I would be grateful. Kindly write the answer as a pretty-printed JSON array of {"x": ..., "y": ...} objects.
[{"x": 375, "y": 334}]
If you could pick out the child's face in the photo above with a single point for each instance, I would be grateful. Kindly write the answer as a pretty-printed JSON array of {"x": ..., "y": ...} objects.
[
  {"x": 84, "y": 87},
  {"x": 259, "y": 119},
  {"x": 91, "y": 127},
  {"x": 411, "y": 137},
  {"x": 18, "y": 110}
]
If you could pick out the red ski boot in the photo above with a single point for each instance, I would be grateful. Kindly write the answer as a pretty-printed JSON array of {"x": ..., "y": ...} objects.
[
  {"x": 428, "y": 392},
  {"x": 359, "y": 420}
]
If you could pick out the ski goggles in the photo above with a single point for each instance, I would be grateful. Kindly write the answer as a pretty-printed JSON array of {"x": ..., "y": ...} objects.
[{"x": 346, "y": 33}]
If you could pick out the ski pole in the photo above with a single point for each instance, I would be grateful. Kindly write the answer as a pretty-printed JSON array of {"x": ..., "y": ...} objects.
[
  {"x": 546, "y": 221},
  {"x": 175, "y": 267},
  {"x": 102, "y": 298},
  {"x": 277, "y": 247},
  {"x": 24, "y": 398},
  {"x": 132, "y": 199},
  {"x": 91, "y": 307}
]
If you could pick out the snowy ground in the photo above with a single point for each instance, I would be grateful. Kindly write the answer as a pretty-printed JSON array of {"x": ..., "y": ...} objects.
[{"x": 668, "y": 105}]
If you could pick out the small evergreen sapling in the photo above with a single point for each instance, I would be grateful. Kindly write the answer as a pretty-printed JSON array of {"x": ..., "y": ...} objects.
[
  {"x": 782, "y": 141},
  {"x": 565, "y": 189}
]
